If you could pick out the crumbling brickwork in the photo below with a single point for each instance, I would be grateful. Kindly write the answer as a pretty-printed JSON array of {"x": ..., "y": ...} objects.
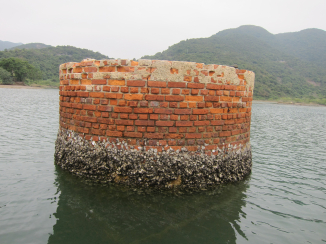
[{"x": 158, "y": 105}]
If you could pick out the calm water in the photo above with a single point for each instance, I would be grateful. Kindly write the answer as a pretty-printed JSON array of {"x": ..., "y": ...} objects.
[{"x": 283, "y": 200}]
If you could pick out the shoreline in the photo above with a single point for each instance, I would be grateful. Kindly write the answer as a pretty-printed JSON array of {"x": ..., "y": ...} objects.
[
  {"x": 26, "y": 87},
  {"x": 289, "y": 103},
  {"x": 254, "y": 101}
]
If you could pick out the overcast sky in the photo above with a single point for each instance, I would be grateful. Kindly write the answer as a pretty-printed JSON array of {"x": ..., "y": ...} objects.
[{"x": 133, "y": 28}]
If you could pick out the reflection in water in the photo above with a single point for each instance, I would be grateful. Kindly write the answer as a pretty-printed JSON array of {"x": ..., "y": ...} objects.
[{"x": 89, "y": 213}]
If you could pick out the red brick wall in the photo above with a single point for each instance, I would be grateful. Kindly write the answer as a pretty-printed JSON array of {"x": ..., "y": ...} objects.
[{"x": 170, "y": 104}]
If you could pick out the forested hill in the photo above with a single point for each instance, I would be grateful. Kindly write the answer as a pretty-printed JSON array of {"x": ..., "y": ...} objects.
[
  {"x": 286, "y": 65},
  {"x": 48, "y": 58},
  {"x": 31, "y": 46},
  {"x": 6, "y": 45}
]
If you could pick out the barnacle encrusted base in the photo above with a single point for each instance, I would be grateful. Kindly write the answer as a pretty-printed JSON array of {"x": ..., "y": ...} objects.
[{"x": 107, "y": 162}]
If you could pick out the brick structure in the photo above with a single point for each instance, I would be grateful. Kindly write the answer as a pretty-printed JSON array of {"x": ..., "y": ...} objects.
[{"x": 154, "y": 106}]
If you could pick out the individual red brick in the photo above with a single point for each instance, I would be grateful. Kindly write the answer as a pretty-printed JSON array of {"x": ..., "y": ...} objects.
[
  {"x": 125, "y": 69},
  {"x": 132, "y": 134},
  {"x": 99, "y": 82},
  {"x": 143, "y": 110},
  {"x": 172, "y": 98},
  {"x": 235, "y": 132},
  {"x": 89, "y": 107},
  {"x": 194, "y": 98},
  {"x": 133, "y": 116},
  {"x": 155, "y": 90},
  {"x": 201, "y": 123},
  {"x": 144, "y": 122},
  {"x": 123, "y": 116},
  {"x": 154, "y": 135},
  {"x": 138, "y": 83},
  {"x": 114, "y": 133},
  {"x": 154, "y": 97},
  {"x": 164, "y": 123},
  {"x": 187, "y": 78},
  {"x": 115, "y": 88},
  {"x": 177, "y": 84},
  {"x": 215, "y": 87},
  {"x": 182, "y": 111},
  {"x": 113, "y": 102},
  {"x": 74, "y": 82},
  {"x": 153, "y": 116},
  {"x": 174, "y": 71},
  {"x": 105, "y": 114},
  {"x": 154, "y": 104},
  {"x": 176, "y": 91},
  {"x": 113, "y": 95},
  {"x": 204, "y": 72},
  {"x": 194, "y": 92},
  {"x": 143, "y": 103},
  {"x": 164, "y": 104},
  {"x": 122, "y": 103},
  {"x": 104, "y": 108},
  {"x": 130, "y": 128},
  {"x": 196, "y": 85},
  {"x": 200, "y": 111},
  {"x": 173, "y": 129},
  {"x": 225, "y": 133},
  {"x": 184, "y": 117},
  {"x": 132, "y": 103},
  {"x": 133, "y": 96},
  {"x": 165, "y": 91},
  {"x": 172, "y": 142},
  {"x": 230, "y": 87},
  {"x": 121, "y": 127},
  {"x": 212, "y": 98},
  {"x": 96, "y": 94},
  {"x": 144, "y": 90},
  {"x": 229, "y": 122},
  {"x": 124, "y": 89},
  {"x": 185, "y": 92},
  {"x": 122, "y": 109},
  {"x": 193, "y": 136},
  {"x": 143, "y": 116},
  {"x": 77, "y": 70},
  {"x": 174, "y": 136},
  {"x": 217, "y": 122},
  {"x": 82, "y": 94},
  {"x": 107, "y": 69},
  {"x": 184, "y": 123},
  {"x": 201, "y": 129},
  {"x": 162, "y": 111},
  {"x": 117, "y": 82},
  {"x": 156, "y": 84},
  {"x": 90, "y": 69},
  {"x": 226, "y": 99},
  {"x": 124, "y": 122},
  {"x": 216, "y": 110}
]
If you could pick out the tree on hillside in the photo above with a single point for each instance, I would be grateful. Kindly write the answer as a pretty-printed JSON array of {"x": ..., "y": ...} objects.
[
  {"x": 5, "y": 77},
  {"x": 20, "y": 69}
]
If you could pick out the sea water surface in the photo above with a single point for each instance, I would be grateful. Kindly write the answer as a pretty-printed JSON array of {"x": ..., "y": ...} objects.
[{"x": 282, "y": 201}]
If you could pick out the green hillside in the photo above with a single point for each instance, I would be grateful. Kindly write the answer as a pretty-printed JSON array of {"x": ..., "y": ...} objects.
[
  {"x": 31, "y": 46},
  {"x": 6, "y": 45},
  {"x": 282, "y": 69},
  {"x": 48, "y": 59}
]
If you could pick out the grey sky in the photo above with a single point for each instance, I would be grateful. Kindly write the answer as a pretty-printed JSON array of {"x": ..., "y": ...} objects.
[{"x": 131, "y": 28}]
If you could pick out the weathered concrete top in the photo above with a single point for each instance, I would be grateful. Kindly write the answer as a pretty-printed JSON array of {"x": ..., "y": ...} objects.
[{"x": 163, "y": 70}]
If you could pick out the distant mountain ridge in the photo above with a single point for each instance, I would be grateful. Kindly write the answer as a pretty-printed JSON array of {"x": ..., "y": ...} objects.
[
  {"x": 286, "y": 65},
  {"x": 47, "y": 58},
  {"x": 6, "y": 45},
  {"x": 31, "y": 46}
]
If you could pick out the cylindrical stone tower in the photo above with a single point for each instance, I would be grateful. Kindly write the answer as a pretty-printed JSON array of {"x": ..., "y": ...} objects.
[{"x": 155, "y": 123}]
